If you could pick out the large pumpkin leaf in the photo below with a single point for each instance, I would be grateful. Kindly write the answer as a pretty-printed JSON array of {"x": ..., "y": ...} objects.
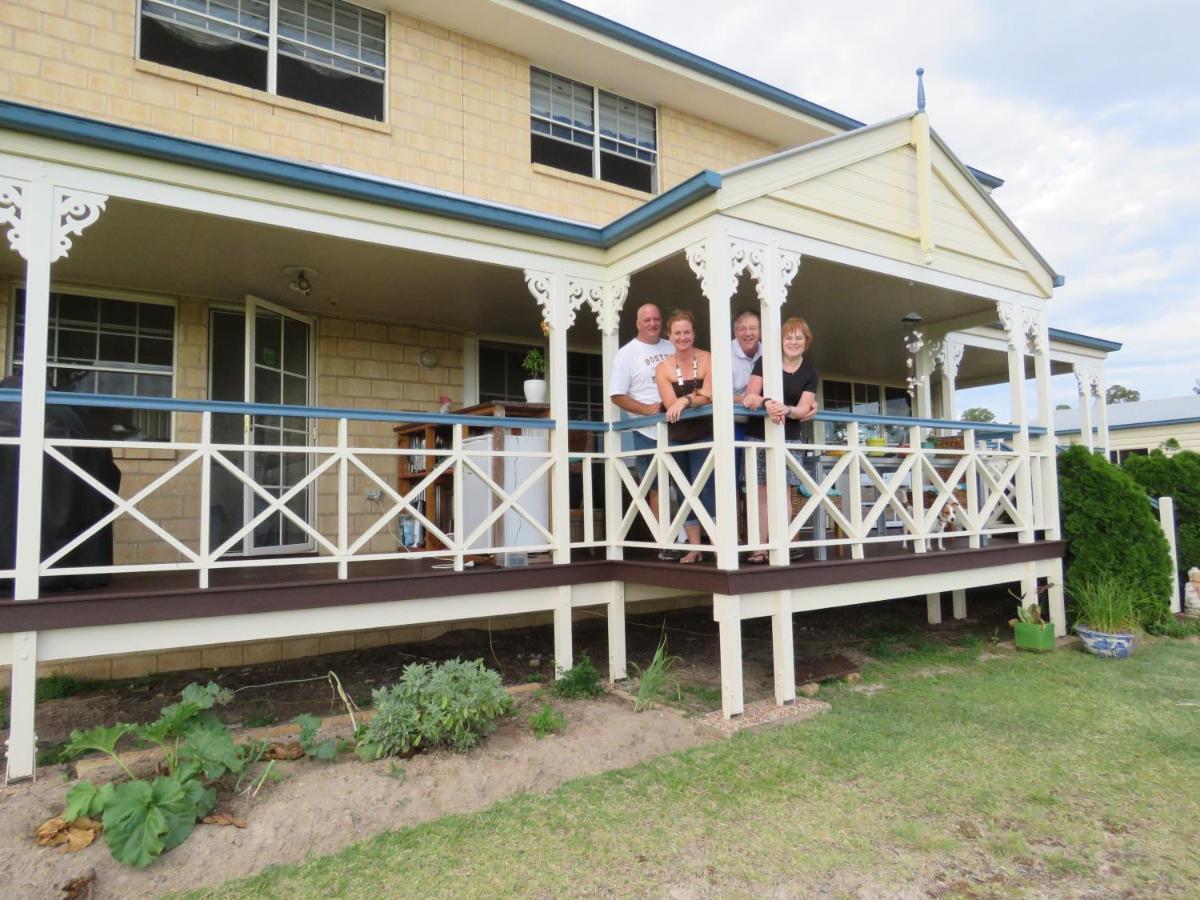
[
  {"x": 85, "y": 799},
  {"x": 145, "y": 818},
  {"x": 102, "y": 738},
  {"x": 211, "y": 750},
  {"x": 134, "y": 826}
]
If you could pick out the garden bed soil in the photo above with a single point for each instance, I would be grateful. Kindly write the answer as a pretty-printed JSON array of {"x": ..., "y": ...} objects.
[{"x": 318, "y": 808}]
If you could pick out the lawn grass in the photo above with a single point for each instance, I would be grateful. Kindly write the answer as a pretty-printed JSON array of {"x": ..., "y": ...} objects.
[{"x": 1059, "y": 774}]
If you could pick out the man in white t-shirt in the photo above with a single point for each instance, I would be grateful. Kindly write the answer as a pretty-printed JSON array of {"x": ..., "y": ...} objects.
[{"x": 632, "y": 387}]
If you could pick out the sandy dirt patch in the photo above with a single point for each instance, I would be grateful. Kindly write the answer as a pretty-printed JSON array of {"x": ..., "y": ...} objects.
[{"x": 319, "y": 808}]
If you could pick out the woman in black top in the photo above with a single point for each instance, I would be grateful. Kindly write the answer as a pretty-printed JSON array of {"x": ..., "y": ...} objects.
[
  {"x": 684, "y": 381},
  {"x": 799, "y": 404}
]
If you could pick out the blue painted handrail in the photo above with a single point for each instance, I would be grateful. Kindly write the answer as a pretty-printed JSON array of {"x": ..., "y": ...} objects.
[{"x": 233, "y": 407}]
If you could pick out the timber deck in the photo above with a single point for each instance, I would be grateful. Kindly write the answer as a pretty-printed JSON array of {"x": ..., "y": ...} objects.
[{"x": 165, "y": 596}]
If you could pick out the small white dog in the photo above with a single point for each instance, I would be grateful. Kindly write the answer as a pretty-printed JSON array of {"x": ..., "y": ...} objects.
[{"x": 947, "y": 521}]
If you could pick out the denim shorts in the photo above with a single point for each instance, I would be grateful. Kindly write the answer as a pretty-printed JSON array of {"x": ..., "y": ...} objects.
[{"x": 642, "y": 463}]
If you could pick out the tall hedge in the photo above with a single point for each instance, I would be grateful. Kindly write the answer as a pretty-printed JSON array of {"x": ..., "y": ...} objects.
[
  {"x": 1176, "y": 476},
  {"x": 1109, "y": 526}
]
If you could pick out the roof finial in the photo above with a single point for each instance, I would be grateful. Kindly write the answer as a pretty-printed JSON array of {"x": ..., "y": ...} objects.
[{"x": 920, "y": 90}]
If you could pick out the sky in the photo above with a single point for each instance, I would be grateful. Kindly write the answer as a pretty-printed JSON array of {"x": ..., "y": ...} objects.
[{"x": 1090, "y": 111}]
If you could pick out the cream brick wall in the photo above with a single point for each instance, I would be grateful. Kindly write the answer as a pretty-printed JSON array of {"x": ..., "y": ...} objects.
[
  {"x": 360, "y": 365},
  {"x": 458, "y": 109}
]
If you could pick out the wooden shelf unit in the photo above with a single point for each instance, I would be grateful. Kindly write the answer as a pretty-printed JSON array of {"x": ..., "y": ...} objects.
[{"x": 433, "y": 437}]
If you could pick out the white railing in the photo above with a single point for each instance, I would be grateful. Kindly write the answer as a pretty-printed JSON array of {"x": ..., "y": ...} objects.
[
  {"x": 467, "y": 495},
  {"x": 850, "y": 494}
]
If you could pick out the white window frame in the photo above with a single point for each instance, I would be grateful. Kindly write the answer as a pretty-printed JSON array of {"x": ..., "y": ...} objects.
[
  {"x": 10, "y": 355},
  {"x": 595, "y": 130},
  {"x": 272, "y": 51}
]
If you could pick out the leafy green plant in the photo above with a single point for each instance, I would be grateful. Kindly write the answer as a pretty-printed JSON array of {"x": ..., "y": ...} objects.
[
  {"x": 310, "y": 726},
  {"x": 547, "y": 721},
  {"x": 1029, "y": 615},
  {"x": 534, "y": 363},
  {"x": 579, "y": 682},
  {"x": 1109, "y": 527},
  {"x": 1111, "y": 604},
  {"x": 454, "y": 703},
  {"x": 142, "y": 818},
  {"x": 1176, "y": 476},
  {"x": 655, "y": 681}
]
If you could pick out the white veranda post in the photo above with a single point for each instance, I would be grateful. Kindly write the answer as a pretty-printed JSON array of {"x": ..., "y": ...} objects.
[
  {"x": 1101, "y": 400},
  {"x": 1084, "y": 377},
  {"x": 1018, "y": 322},
  {"x": 712, "y": 262},
  {"x": 606, "y": 302},
  {"x": 550, "y": 290},
  {"x": 1048, "y": 463},
  {"x": 40, "y": 219}
]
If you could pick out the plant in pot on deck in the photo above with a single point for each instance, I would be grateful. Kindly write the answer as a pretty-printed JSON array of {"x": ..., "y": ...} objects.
[
  {"x": 1108, "y": 614},
  {"x": 535, "y": 386}
]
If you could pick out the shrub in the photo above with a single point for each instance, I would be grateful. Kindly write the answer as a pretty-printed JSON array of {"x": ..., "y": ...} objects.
[
  {"x": 1178, "y": 477},
  {"x": 580, "y": 681},
  {"x": 454, "y": 703},
  {"x": 1110, "y": 529},
  {"x": 548, "y": 721},
  {"x": 1111, "y": 604}
]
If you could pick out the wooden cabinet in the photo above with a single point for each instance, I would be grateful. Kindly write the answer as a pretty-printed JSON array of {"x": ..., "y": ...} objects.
[{"x": 438, "y": 501}]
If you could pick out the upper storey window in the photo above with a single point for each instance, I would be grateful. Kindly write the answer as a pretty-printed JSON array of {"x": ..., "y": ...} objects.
[
  {"x": 591, "y": 132},
  {"x": 327, "y": 52}
]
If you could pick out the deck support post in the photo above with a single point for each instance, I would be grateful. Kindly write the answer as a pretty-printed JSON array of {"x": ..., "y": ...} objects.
[
  {"x": 563, "y": 649},
  {"x": 783, "y": 649},
  {"x": 617, "y": 664},
  {"x": 959, "y": 602},
  {"x": 1057, "y": 597},
  {"x": 933, "y": 608},
  {"x": 1047, "y": 461},
  {"x": 727, "y": 611},
  {"x": 1029, "y": 584},
  {"x": 22, "y": 741}
]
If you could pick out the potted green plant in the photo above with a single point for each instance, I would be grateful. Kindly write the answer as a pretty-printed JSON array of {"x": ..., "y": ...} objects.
[
  {"x": 535, "y": 386},
  {"x": 1030, "y": 630},
  {"x": 1108, "y": 615}
]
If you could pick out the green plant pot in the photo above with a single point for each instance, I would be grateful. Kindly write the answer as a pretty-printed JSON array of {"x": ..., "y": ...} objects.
[{"x": 1039, "y": 638}]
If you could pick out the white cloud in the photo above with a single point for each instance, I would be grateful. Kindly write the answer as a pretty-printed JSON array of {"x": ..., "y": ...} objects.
[{"x": 1105, "y": 191}]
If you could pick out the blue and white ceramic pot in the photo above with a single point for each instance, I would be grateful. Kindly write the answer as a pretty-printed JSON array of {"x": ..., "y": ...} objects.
[{"x": 1101, "y": 643}]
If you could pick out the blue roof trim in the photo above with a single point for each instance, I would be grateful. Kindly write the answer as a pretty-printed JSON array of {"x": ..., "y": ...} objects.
[
  {"x": 79, "y": 130},
  {"x": 1158, "y": 423},
  {"x": 1084, "y": 340},
  {"x": 732, "y": 77},
  {"x": 1079, "y": 340}
]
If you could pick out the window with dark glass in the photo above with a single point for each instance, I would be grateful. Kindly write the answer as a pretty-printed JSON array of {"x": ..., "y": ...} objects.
[
  {"x": 100, "y": 345},
  {"x": 580, "y": 129},
  {"x": 502, "y": 378},
  {"x": 327, "y": 52}
]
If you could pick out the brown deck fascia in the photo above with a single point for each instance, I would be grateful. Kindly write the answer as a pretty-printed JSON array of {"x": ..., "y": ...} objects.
[{"x": 117, "y": 606}]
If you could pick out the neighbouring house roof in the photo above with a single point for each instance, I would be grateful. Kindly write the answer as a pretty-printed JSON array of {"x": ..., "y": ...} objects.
[
  {"x": 623, "y": 33},
  {"x": 1140, "y": 414}
]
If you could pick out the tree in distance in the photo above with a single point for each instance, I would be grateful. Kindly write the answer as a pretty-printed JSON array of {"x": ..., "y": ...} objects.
[
  {"x": 978, "y": 414},
  {"x": 1117, "y": 393}
]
